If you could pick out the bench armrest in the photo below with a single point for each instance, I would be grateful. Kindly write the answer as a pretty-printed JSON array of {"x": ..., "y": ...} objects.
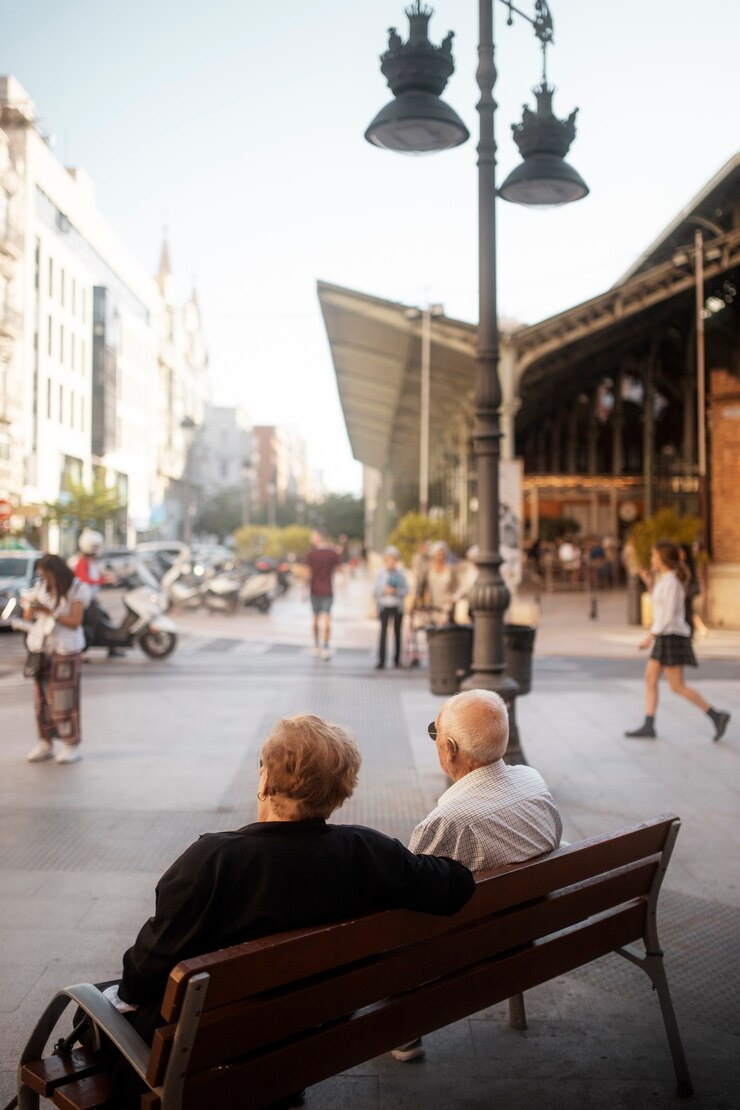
[{"x": 104, "y": 1015}]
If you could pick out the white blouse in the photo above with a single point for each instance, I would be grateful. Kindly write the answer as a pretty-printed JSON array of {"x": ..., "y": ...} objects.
[
  {"x": 669, "y": 598},
  {"x": 63, "y": 640}
]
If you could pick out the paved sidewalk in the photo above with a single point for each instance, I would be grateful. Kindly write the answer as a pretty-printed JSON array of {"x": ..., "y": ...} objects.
[{"x": 170, "y": 751}]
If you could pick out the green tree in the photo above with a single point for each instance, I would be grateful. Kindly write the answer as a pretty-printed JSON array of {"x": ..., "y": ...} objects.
[
  {"x": 79, "y": 507},
  {"x": 256, "y": 540},
  {"x": 340, "y": 514},
  {"x": 221, "y": 514},
  {"x": 666, "y": 524},
  {"x": 413, "y": 529},
  {"x": 295, "y": 539}
]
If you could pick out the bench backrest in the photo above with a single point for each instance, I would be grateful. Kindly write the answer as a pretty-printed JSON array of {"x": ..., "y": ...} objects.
[{"x": 313, "y": 1002}]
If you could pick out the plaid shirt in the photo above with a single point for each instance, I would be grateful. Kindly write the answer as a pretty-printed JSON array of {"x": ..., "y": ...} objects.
[{"x": 490, "y": 817}]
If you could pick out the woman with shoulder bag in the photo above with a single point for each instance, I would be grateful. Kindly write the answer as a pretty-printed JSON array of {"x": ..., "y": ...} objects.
[{"x": 57, "y": 685}]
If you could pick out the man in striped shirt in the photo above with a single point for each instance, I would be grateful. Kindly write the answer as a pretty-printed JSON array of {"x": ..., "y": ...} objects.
[{"x": 492, "y": 814}]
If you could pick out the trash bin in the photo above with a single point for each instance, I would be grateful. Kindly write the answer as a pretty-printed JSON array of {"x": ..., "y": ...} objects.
[
  {"x": 518, "y": 652},
  {"x": 450, "y": 656},
  {"x": 634, "y": 593}
]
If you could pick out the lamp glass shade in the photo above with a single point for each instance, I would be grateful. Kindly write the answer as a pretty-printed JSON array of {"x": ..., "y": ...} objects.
[
  {"x": 543, "y": 180},
  {"x": 417, "y": 123}
]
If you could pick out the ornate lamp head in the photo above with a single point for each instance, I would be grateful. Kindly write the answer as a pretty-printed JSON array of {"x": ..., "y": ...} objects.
[
  {"x": 544, "y": 178},
  {"x": 417, "y": 121}
]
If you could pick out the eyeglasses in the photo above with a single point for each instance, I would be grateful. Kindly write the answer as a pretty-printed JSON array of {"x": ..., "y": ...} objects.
[{"x": 432, "y": 730}]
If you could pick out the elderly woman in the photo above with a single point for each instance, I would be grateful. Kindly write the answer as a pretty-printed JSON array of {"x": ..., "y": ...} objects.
[
  {"x": 288, "y": 869},
  {"x": 391, "y": 588},
  {"x": 61, "y": 596},
  {"x": 438, "y": 589}
]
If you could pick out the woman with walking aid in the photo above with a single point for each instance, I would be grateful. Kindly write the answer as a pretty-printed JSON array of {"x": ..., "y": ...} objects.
[
  {"x": 57, "y": 687},
  {"x": 670, "y": 637}
]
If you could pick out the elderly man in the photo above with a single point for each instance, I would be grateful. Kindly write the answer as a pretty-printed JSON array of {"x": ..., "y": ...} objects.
[{"x": 492, "y": 814}]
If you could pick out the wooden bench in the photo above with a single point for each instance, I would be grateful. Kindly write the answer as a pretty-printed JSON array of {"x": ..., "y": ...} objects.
[{"x": 249, "y": 1024}]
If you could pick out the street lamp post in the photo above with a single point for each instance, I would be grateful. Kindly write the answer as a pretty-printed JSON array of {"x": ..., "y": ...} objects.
[
  {"x": 247, "y": 476},
  {"x": 417, "y": 121},
  {"x": 425, "y": 314},
  {"x": 188, "y": 427}
]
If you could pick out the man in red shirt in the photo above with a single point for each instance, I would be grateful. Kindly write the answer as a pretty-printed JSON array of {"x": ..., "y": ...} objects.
[{"x": 321, "y": 561}]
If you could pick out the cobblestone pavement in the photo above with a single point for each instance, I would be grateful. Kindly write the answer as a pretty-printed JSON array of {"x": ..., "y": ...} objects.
[{"x": 171, "y": 749}]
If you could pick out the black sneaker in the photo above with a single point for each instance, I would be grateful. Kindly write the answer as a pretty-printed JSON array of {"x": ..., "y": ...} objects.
[
  {"x": 644, "y": 732},
  {"x": 721, "y": 721}
]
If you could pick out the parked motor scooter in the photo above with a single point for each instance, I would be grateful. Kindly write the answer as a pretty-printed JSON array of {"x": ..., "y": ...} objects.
[
  {"x": 185, "y": 582},
  {"x": 282, "y": 569},
  {"x": 144, "y": 622},
  {"x": 224, "y": 592},
  {"x": 258, "y": 589}
]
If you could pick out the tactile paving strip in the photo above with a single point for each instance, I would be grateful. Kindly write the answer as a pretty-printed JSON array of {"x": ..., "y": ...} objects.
[
  {"x": 389, "y": 796},
  {"x": 700, "y": 942}
]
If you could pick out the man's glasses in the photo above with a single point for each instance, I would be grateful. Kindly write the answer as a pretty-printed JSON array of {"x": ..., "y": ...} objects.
[{"x": 432, "y": 730}]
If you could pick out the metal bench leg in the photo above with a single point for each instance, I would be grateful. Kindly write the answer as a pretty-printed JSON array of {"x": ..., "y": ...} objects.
[
  {"x": 656, "y": 971},
  {"x": 652, "y": 964},
  {"x": 517, "y": 1015}
]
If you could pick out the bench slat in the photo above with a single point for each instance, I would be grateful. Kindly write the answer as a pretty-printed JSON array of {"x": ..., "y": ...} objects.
[
  {"x": 250, "y": 1024},
  {"x": 323, "y": 1052},
  {"x": 84, "y": 1094},
  {"x": 269, "y": 962},
  {"x": 44, "y": 1076}
]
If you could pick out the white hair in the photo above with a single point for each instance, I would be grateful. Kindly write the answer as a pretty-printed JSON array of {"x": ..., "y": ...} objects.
[{"x": 478, "y": 722}]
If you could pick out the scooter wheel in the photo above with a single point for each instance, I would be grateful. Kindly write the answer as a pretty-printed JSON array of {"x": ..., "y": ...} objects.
[
  {"x": 158, "y": 645},
  {"x": 263, "y": 604}
]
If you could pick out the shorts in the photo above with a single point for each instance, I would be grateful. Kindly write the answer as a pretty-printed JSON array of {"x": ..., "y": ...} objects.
[
  {"x": 673, "y": 651},
  {"x": 321, "y": 604}
]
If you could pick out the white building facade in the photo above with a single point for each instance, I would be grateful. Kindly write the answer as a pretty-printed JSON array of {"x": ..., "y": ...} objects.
[{"x": 85, "y": 334}]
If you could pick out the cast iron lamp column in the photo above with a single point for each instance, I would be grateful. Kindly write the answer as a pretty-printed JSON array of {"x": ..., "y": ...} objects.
[
  {"x": 418, "y": 121},
  {"x": 189, "y": 428}
]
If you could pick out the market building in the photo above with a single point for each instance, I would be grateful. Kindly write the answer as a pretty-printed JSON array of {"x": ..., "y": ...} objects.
[{"x": 616, "y": 407}]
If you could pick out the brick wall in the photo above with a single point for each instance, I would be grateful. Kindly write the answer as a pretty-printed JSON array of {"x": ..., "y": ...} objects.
[{"x": 724, "y": 430}]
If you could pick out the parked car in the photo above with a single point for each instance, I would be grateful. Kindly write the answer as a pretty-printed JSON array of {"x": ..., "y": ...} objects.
[{"x": 17, "y": 573}]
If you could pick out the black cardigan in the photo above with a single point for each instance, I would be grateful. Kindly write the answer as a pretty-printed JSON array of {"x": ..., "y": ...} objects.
[{"x": 272, "y": 876}]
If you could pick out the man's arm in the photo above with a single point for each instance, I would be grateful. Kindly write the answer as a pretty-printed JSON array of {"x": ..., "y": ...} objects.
[{"x": 432, "y": 837}]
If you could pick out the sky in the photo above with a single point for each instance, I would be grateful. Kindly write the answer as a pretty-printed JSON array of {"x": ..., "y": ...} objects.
[{"x": 239, "y": 126}]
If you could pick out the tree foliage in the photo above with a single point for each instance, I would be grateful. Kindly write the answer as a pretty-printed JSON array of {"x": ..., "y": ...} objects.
[
  {"x": 220, "y": 514},
  {"x": 414, "y": 529},
  {"x": 340, "y": 514},
  {"x": 256, "y": 540},
  {"x": 80, "y": 507},
  {"x": 666, "y": 524}
]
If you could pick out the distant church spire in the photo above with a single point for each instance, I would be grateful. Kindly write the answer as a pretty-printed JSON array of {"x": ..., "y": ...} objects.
[
  {"x": 165, "y": 268},
  {"x": 164, "y": 276}
]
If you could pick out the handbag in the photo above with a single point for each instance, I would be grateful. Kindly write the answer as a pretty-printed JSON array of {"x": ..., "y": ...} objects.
[
  {"x": 35, "y": 641},
  {"x": 34, "y": 664}
]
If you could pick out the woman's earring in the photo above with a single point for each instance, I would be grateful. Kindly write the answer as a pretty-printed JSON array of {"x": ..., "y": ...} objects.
[{"x": 261, "y": 795}]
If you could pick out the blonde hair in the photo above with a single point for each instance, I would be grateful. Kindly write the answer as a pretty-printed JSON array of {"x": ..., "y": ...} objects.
[
  {"x": 478, "y": 722},
  {"x": 311, "y": 765}
]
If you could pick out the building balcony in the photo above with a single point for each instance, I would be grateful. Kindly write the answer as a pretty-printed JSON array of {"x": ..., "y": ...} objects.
[
  {"x": 11, "y": 322},
  {"x": 12, "y": 240}
]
